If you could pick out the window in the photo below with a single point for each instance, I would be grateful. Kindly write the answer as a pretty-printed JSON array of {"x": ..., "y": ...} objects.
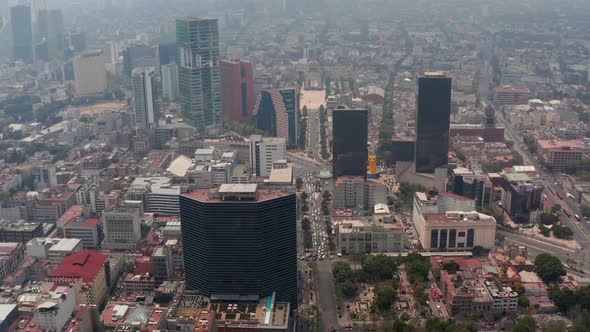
[
  {"x": 461, "y": 245},
  {"x": 452, "y": 238},
  {"x": 470, "y": 237},
  {"x": 434, "y": 238},
  {"x": 443, "y": 239},
  {"x": 461, "y": 234}
]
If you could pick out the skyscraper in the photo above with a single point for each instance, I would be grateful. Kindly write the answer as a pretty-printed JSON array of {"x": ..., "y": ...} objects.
[
  {"x": 271, "y": 114},
  {"x": 138, "y": 56},
  {"x": 50, "y": 27},
  {"x": 432, "y": 121},
  {"x": 90, "y": 75},
  {"x": 291, "y": 99},
  {"x": 22, "y": 33},
  {"x": 349, "y": 142},
  {"x": 237, "y": 89},
  {"x": 145, "y": 97},
  {"x": 240, "y": 242},
  {"x": 170, "y": 81},
  {"x": 198, "y": 71}
]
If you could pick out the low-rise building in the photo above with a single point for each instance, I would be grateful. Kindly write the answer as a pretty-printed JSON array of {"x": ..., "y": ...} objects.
[
  {"x": 366, "y": 237},
  {"x": 12, "y": 255},
  {"x": 19, "y": 230},
  {"x": 356, "y": 193},
  {"x": 521, "y": 196},
  {"x": 559, "y": 153},
  {"x": 121, "y": 228},
  {"x": 440, "y": 227},
  {"x": 88, "y": 269},
  {"x": 55, "y": 308}
]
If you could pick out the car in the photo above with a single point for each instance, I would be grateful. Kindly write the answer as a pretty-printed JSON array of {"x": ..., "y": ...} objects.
[{"x": 438, "y": 306}]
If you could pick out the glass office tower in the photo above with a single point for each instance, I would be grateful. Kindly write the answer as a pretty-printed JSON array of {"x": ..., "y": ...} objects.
[{"x": 349, "y": 142}]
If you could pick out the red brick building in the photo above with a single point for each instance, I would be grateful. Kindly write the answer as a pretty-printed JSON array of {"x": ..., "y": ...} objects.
[{"x": 237, "y": 89}]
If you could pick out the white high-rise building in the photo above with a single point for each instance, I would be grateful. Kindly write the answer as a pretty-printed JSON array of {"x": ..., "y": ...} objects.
[
  {"x": 121, "y": 228},
  {"x": 170, "y": 81},
  {"x": 264, "y": 151},
  {"x": 145, "y": 97},
  {"x": 90, "y": 75}
]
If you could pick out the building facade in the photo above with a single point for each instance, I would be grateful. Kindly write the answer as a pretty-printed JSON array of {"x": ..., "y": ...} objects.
[
  {"x": 432, "y": 121},
  {"x": 237, "y": 89},
  {"x": 359, "y": 237},
  {"x": 90, "y": 75},
  {"x": 240, "y": 242},
  {"x": 511, "y": 95},
  {"x": 198, "y": 71},
  {"x": 145, "y": 97},
  {"x": 22, "y": 33},
  {"x": 291, "y": 100},
  {"x": 264, "y": 151},
  {"x": 170, "y": 81},
  {"x": 121, "y": 228},
  {"x": 356, "y": 193},
  {"x": 271, "y": 114},
  {"x": 349, "y": 142}
]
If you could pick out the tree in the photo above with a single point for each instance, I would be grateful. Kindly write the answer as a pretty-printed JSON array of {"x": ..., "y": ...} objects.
[
  {"x": 299, "y": 183},
  {"x": 385, "y": 297},
  {"x": 585, "y": 210},
  {"x": 327, "y": 196},
  {"x": 303, "y": 196},
  {"x": 563, "y": 232},
  {"x": 523, "y": 301},
  {"x": 304, "y": 208},
  {"x": 349, "y": 289},
  {"x": 557, "y": 207},
  {"x": 549, "y": 267},
  {"x": 451, "y": 266},
  {"x": 379, "y": 267},
  {"x": 526, "y": 324},
  {"x": 545, "y": 231},
  {"x": 548, "y": 219}
]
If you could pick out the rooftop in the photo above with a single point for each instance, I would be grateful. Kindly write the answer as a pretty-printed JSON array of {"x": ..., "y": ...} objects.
[
  {"x": 460, "y": 217},
  {"x": 18, "y": 225},
  {"x": 65, "y": 245},
  {"x": 515, "y": 89},
  {"x": 85, "y": 264},
  {"x": 563, "y": 145}
]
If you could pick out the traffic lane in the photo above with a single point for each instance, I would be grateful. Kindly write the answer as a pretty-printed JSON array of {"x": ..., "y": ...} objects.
[{"x": 327, "y": 298}]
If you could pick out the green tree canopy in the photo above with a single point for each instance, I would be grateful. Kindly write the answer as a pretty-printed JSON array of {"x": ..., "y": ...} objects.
[{"x": 549, "y": 267}]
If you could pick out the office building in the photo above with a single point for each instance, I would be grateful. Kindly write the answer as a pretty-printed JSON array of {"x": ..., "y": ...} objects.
[
  {"x": 367, "y": 237},
  {"x": 198, "y": 71},
  {"x": 53, "y": 249},
  {"x": 512, "y": 95},
  {"x": 449, "y": 222},
  {"x": 237, "y": 89},
  {"x": 264, "y": 151},
  {"x": 356, "y": 193},
  {"x": 19, "y": 230},
  {"x": 53, "y": 310},
  {"x": 167, "y": 53},
  {"x": 90, "y": 75},
  {"x": 291, "y": 100},
  {"x": 121, "y": 228},
  {"x": 138, "y": 56},
  {"x": 22, "y": 33},
  {"x": 12, "y": 255},
  {"x": 521, "y": 196},
  {"x": 145, "y": 97},
  {"x": 558, "y": 154},
  {"x": 349, "y": 142},
  {"x": 271, "y": 114},
  {"x": 50, "y": 27},
  {"x": 432, "y": 121},
  {"x": 170, "y": 81},
  {"x": 85, "y": 267},
  {"x": 240, "y": 242}
]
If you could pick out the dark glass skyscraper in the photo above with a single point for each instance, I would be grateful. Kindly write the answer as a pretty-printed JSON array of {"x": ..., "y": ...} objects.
[
  {"x": 432, "y": 121},
  {"x": 22, "y": 33},
  {"x": 51, "y": 28},
  {"x": 240, "y": 242},
  {"x": 349, "y": 142},
  {"x": 271, "y": 114},
  {"x": 291, "y": 99},
  {"x": 199, "y": 77}
]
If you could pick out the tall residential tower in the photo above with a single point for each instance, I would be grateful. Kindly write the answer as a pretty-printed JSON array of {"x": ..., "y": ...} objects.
[
  {"x": 237, "y": 89},
  {"x": 198, "y": 71}
]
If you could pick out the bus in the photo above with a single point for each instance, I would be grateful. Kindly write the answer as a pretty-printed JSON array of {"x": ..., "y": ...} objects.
[{"x": 567, "y": 212}]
